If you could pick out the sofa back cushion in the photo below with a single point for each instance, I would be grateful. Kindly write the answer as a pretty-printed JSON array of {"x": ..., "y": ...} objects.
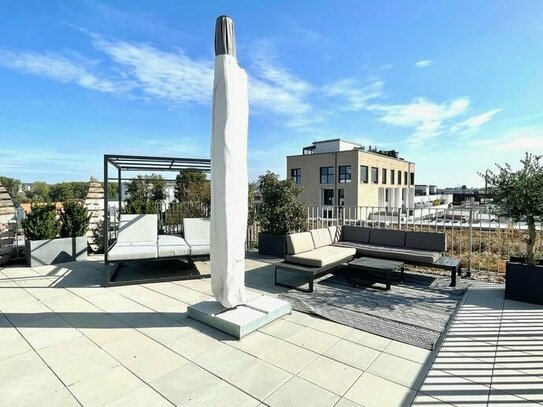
[
  {"x": 433, "y": 241},
  {"x": 321, "y": 237},
  {"x": 358, "y": 234},
  {"x": 387, "y": 237},
  {"x": 196, "y": 229},
  {"x": 299, "y": 243},
  {"x": 335, "y": 233},
  {"x": 138, "y": 228}
]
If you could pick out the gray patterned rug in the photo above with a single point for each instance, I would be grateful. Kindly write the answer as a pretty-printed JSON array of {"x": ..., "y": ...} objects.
[{"x": 414, "y": 312}]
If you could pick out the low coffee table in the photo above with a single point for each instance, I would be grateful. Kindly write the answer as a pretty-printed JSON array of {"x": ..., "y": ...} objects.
[{"x": 375, "y": 270}]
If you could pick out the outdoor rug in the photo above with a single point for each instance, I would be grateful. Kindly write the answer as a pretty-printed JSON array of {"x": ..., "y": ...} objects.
[{"x": 414, "y": 312}]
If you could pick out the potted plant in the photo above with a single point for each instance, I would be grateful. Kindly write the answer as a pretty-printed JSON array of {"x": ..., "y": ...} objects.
[
  {"x": 42, "y": 227},
  {"x": 279, "y": 212},
  {"x": 519, "y": 195}
]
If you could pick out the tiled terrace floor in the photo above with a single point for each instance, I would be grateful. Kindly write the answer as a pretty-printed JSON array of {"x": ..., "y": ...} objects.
[{"x": 65, "y": 341}]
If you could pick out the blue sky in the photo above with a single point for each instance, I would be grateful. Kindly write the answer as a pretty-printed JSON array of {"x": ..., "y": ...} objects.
[{"x": 455, "y": 86}]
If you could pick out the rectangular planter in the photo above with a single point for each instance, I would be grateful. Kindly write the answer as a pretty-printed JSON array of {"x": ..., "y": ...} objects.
[
  {"x": 524, "y": 283},
  {"x": 271, "y": 244},
  {"x": 54, "y": 251}
]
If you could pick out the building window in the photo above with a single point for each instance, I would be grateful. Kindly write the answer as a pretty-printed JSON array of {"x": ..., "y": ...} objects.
[
  {"x": 327, "y": 175},
  {"x": 399, "y": 177},
  {"x": 384, "y": 171},
  {"x": 386, "y": 194},
  {"x": 405, "y": 178},
  {"x": 392, "y": 175},
  {"x": 296, "y": 175},
  {"x": 374, "y": 175},
  {"x": 344, "y": 174},
  {"x": 327, "y": 196},
  {"x": 412, "y": 178},
  {"x": 364, "y": 174},
  {"x": 341, "y": 197}
]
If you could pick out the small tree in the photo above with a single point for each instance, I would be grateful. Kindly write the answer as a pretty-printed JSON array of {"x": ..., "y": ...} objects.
[
  {"x": 519, "y": 195},
  {"x": 280, "y": 211},
  {"x": 193, "y": 191},
  {"x": 41, "y": 223},
  {"x": 39, "y": 192},
  {"x": 74, "y": 219}
]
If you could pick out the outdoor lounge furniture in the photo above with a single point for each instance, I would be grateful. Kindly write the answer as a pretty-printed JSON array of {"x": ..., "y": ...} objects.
[
  {"x": 311, "y": 255},
  {"x": 375, "y": 270},
  {"x": 315, "y": 253}
]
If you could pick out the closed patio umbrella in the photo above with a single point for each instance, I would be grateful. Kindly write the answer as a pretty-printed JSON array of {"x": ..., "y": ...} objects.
[{"x": 228, "y": 170}]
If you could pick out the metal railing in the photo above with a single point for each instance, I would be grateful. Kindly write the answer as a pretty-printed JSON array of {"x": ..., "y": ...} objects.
[{"x": 481, "y": 238}]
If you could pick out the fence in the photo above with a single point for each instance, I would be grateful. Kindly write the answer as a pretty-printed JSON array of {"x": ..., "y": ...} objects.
[{"x": 482, "y": 239}]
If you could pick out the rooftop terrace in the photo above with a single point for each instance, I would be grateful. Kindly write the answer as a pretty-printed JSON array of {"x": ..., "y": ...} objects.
[{"x": 66, "y": 341}]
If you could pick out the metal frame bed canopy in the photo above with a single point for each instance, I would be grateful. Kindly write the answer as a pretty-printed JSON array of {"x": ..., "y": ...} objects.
[{"x": 141, "y": 163}]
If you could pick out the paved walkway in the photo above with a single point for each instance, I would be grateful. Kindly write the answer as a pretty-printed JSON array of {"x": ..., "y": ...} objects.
[
  {"x": 492, "y": 356},
  {"x": 65, "y": 341}
]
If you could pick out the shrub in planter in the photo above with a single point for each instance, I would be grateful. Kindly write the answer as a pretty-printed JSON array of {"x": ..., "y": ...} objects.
[
  {"x": 74, "y": 219},
  {"x": 279, "y": 213},
  {"x": 519, "y": 195},
  {"x": 41, "y": 223}
]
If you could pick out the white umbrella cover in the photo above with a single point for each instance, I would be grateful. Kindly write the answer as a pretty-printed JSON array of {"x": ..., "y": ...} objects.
[{"x": 229, "y": 181}]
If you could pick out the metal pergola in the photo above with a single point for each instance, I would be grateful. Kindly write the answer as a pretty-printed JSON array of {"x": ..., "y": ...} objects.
[{"x": 140, "y": 163}]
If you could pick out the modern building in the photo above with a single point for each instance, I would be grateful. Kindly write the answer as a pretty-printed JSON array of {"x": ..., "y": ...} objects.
[{"x": 338, "y": 172}]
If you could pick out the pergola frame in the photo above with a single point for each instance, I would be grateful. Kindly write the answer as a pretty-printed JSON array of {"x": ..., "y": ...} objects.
[{"x": 140, "y": 163}]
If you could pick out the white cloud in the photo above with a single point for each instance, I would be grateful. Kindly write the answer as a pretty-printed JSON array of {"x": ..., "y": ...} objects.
[
  {"x": 516, "y": 139},
  {"x": 60, "y": 68},
  {"x": 357, "y": 96},
  {"x": 166, "y": 76},
  {"x": 423, "y": 63},
  {"x": 471, "y": 124},
  {"x": 427, "y": 118}
]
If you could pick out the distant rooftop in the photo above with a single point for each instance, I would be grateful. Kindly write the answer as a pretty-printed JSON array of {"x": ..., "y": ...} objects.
[{"x": 335, "y": 145}]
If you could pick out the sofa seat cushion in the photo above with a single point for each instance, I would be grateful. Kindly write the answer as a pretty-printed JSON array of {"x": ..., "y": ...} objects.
[
  {"x": 133, "y": 251},
  {"x": 322, "y": 256},
  {"x": 172, "y": 246},
  {"x": 299, "y": 243},
  {"x": 321, "y": 237},
  {"x": 197, "y": 242},
  {"x": 200, "y": 250},
  {"x": 393, "y": 253}
]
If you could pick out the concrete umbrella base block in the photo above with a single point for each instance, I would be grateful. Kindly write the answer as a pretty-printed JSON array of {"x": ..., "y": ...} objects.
[{"x": 258, "y": 311}]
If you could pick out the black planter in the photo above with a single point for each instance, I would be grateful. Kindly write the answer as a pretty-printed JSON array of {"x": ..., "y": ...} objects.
[
  {"x": 272, "y": 244},
  {"x": 524, "y": 282}
]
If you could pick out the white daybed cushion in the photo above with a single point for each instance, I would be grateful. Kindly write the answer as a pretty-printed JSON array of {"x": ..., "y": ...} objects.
[
  {"x": 199, "y": 250},
  {"x": 196, "y": 232},
  {"x": 137, "y": 228},
  {"x": 322, "y": 256},
  {"x": 133, "y": 251},
  {"x": 172, "y": 246}
]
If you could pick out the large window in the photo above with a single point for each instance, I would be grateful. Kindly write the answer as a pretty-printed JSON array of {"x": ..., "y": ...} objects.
[
  {"x": 412, "y": 178},
  {"x": 364, "y": 174},
  {"x": 341, "y": 197},
  {"x": 392, "y": 176},
  {"x": 405, "y": 178},
  {"x": 384, "y": 172},
  {"x": 327, "y": 175},
  {"x": 399, "y": 177},
  {"x": 296, "y": 175},
  {"x": 374, "y": 175},
  {"x": 344, "y": 174}
]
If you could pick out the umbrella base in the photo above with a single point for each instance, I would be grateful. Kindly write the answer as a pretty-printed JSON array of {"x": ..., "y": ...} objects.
[{"x": 259, "y": 310}]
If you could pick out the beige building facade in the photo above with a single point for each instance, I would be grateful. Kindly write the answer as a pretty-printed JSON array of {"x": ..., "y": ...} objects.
[{"x": 337, "y": 172}]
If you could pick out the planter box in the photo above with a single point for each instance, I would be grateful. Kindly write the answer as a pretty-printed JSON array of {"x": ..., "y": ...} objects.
[
  {"x": 524, "y": 283},
  {"x": 272, "y": 244},
  {"x": 60, "y": 250}
]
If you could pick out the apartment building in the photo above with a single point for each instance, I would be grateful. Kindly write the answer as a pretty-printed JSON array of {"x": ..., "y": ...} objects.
[{"x": 338, "y": 172}]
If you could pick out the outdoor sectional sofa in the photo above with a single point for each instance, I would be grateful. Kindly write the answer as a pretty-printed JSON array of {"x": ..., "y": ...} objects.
[
  {"x": 318, "y": 252},
  {"x": 138, "y": 239}
]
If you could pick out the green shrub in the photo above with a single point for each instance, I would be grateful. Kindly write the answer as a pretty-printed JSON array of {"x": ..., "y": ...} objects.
[
  {"x": 74, "y": 219},
  {"x": 436, "y": 202},
  {"x": 41, "y": 223}
]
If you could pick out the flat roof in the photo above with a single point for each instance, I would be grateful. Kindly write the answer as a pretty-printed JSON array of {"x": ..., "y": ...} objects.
[
  {"x": 150, "y": 163},
  {"x": 354, "y": 150}
]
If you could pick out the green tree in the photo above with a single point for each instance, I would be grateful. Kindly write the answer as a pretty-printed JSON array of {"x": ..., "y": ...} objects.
[
  {"x": 74, "y": 219},
  {"x": 280, "y": 210},
  {"x": 144, "y": 192},
  {"x": 192, "y": 186},
  {"x": 519, "y": 195},
  {"x": 252, "y": 193},
  {"x": 62, "y": 192},
  {"x": 13, "y": 186},
  {"x": 39, "y": 192}
]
